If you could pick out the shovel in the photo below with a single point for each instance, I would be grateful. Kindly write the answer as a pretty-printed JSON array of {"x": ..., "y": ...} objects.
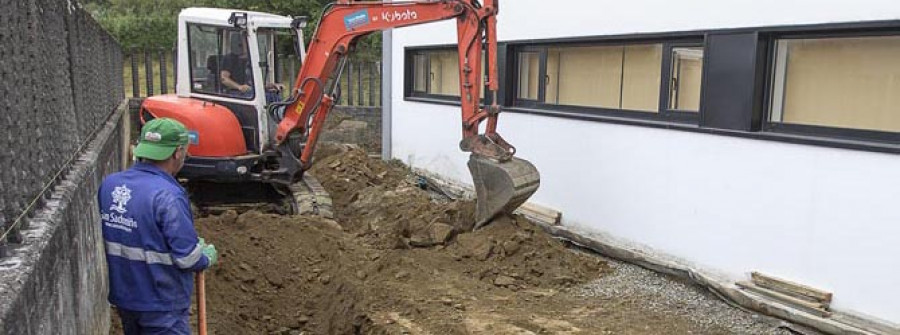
[{"x": 200, "y": 283}]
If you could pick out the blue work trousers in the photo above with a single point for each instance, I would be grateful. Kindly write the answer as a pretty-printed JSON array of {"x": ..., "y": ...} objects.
[{"x": 155, "y": 323}]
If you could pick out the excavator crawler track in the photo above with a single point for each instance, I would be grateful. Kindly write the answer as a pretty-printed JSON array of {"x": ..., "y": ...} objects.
[
  {"x": 310, "y": 198},
  {"x": 305, "y": 197}
]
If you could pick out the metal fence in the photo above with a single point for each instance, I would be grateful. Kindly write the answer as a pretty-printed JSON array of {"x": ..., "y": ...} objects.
[
  {"x": 150, "y": 72},
  {"x": 153, "y": 72},
  {"x": 60, "y": 81}
]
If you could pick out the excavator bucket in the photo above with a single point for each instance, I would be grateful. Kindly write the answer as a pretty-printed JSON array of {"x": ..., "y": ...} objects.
[{"x": 501, "y": 187}]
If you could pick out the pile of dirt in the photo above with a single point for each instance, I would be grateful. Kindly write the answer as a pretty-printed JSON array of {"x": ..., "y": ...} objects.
[
  {"x": 279, "y": 273},
  {"x": 381, "y": 204},
  {"x": 397, "y": 261},
  {"x": 391, "y": 254}
]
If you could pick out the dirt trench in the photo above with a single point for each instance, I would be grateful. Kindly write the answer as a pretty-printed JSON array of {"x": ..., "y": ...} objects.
[{"x": 398, "y": 260}]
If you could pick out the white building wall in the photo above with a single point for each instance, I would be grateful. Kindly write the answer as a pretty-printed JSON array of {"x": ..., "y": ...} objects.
[{"x": 821, "y": 216}]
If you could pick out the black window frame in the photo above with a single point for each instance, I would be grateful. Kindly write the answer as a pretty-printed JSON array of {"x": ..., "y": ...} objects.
[
  {"x": 663, "y": 113},
  {"x": 409, "y": 66},
  {"x": 542, "y": 69},
  {"x": 819, "y": 131},
  {"x": 410, "y": 94},
  {"x": 667, "y": 79},
  {"x": 742, "y": 112}
]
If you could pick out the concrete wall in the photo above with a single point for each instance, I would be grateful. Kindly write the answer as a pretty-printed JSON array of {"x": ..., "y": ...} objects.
[
  {"x": 60, "y": 83},
  {"x": 822, "y": 216}
]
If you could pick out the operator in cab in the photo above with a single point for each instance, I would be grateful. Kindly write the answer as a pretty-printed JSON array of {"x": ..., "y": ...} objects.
[{"x": 235, "y": 73}]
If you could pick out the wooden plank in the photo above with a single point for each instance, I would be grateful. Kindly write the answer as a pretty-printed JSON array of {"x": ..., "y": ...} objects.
[
  {"x": 790, "y": 288},
  {"x": 878, "y": 327},
  {"x": 810, "y": 307},
  {"x": 540, "y": 213}
]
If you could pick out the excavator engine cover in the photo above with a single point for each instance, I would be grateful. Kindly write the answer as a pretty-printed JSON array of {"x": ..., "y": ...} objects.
[
  {"x": 501, "y": 187},
  {"x": 215, "y": 131}
]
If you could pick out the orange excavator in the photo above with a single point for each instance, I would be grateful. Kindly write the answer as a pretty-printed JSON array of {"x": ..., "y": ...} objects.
[{"x": 243, "y": 132}]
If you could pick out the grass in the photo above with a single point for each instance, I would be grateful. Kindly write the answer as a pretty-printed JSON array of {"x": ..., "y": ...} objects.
[{"x": 142, "y": 76}]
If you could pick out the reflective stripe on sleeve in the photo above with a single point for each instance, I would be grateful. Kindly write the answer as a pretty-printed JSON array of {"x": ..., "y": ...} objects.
[
  {"x": 191, "y": 259},
  {"x": 138, "y": 254}
]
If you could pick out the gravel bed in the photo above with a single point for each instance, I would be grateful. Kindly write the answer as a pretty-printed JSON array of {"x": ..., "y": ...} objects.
[{"x": 663, "y": 294}]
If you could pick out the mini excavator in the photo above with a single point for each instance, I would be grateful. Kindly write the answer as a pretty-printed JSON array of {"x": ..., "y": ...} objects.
[{"x": 243, "y": 132}]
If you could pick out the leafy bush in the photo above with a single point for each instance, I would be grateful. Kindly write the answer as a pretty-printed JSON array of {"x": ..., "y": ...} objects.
[{"x": 153, "y": 23}]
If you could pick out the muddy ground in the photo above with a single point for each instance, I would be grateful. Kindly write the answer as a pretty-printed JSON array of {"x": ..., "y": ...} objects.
[{"x": 398, "y": 260}]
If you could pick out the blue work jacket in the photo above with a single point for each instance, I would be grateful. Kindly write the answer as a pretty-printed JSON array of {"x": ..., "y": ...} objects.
[{"x": 151, "y": 246}]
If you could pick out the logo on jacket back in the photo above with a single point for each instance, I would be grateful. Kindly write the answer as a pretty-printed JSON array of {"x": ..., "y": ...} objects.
[
  {"x": 120, "y": 196},
  {"x": 356, "y": 19}
]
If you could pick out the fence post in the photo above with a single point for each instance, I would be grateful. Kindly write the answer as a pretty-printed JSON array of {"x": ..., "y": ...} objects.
[
  {"x": 148, "y": 71},
  {"x": 175, "y": 68},
  {"x": 135, "y": 82},
  {"x": 379, "y": 70},
  {"x": 292, "y": 74},
  {"x": 163, "y": 89},
  {"x": 349, "y": 83},
  {"x": 359, "y": 83},
  {"x": 371, "y": 83}
]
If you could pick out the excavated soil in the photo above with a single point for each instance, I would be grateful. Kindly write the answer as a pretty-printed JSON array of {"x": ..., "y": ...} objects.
[{"x": 397, "y": 260}]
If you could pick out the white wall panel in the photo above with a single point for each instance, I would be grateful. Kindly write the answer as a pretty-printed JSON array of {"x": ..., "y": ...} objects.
[{"x": 822, "y": 216}]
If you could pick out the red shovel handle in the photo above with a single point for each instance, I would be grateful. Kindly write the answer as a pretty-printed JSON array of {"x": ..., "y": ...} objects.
[{"x": 201, "y": 302}]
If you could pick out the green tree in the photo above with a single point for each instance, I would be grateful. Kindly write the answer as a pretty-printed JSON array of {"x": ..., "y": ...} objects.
[{"x": 153, "y": 23}]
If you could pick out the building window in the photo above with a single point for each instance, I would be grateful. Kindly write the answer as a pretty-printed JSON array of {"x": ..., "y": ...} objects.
[
  {"x": 529, "y": 71},
  {"x": 843, "y": 82},
  {"x": 687, "y": 72},
  {"x": 617, "y": 77},
  {"x": 443, "y": 73},
  {"x": 613, "y": 79},
  {"x": 436, "y": 72},
  {"x": 420, "y": 70}
]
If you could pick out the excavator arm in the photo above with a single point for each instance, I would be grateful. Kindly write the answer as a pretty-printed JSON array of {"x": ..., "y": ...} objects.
[{"x": 502, "y": 181}]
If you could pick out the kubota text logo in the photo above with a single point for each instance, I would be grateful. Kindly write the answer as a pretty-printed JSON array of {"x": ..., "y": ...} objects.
[{"x": 399, "y": 16}]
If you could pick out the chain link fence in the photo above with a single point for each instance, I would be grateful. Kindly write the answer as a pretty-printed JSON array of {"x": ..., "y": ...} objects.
[{"x": 59, "y": 81}]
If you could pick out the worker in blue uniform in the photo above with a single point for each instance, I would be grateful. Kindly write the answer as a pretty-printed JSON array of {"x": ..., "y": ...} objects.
[{"x": 152, "y": 249}]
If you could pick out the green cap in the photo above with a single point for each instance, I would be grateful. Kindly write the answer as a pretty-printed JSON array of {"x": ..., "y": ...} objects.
[{"x": 159, "y": 139}]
